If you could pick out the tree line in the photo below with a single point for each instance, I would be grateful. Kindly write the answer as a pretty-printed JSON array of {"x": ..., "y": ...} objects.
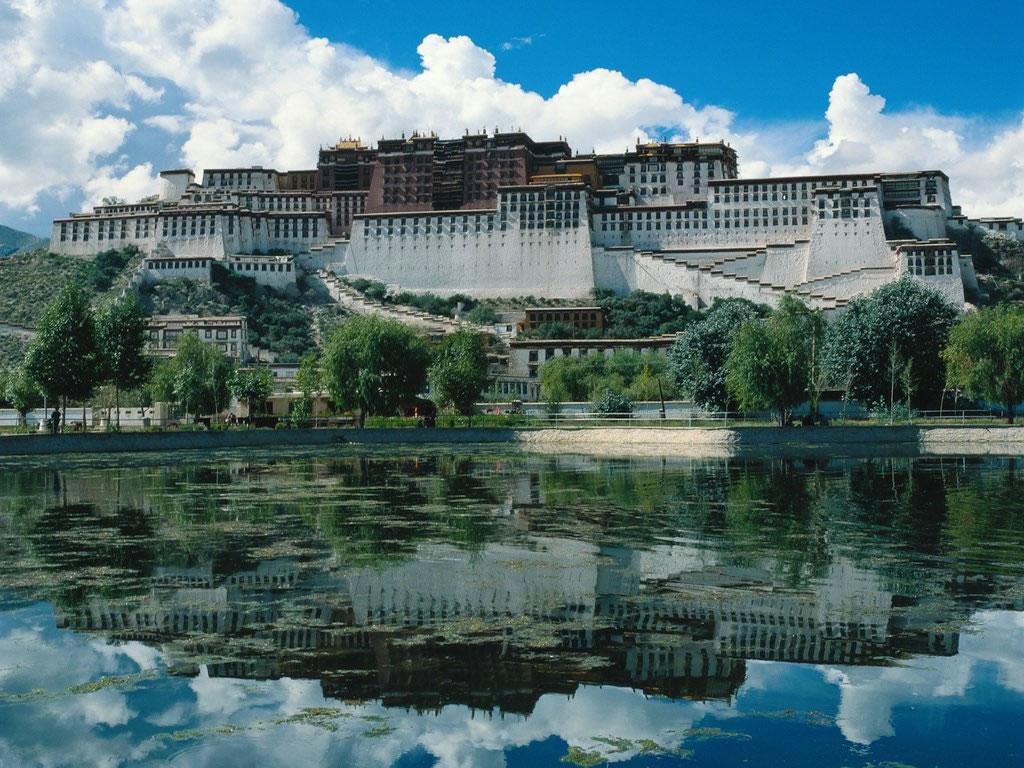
[
  {"x": 902, "y": 346},
  {"x": 77, "y": 349},
  {"x": 368, "y": 365}
]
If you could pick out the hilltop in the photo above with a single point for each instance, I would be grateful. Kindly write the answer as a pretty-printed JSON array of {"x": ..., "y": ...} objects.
[{"x": 13, "y": 241}]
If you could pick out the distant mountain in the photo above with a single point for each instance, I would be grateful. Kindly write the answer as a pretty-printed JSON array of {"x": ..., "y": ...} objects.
[{"x": 12, "y": 241}]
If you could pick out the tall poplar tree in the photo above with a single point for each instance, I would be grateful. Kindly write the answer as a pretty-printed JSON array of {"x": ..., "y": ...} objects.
[
  {"x": 121, "y": 338},
  {"x": 63, "y": 358}
]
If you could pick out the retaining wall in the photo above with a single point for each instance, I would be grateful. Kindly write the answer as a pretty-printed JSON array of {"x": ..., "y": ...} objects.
[{"x": 661, "y": 441}]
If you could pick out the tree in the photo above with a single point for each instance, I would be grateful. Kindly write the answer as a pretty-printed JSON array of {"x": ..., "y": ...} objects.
[
  {"x": 121, "y": 337},
  {"x": 199, "y": 376},
  {"x": 904, "y": 315},
  {"x": 697, "y": 359},
  {"x": 770, "y": 362},
  {"x": 374, "y": 365},
  {"x": 22, "y": 392},
  {"x": 63, "y": 359},
  {"x": 610, "y": 403},
  {"x": 309, "y": 380},
  {"x": 644, "y": 314},
  {"x": 482, "y": 314},
  {"x": 458, "y": 373},
  {"x": 985, "y": 356},
  {"x": 161, "y": 382},
  {"x": 251, "y": 386}
]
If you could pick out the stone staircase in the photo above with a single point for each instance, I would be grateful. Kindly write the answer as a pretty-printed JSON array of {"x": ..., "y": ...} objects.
[
  {"x": 741, "y": 267},
  {"x": 357, "y": 303}
]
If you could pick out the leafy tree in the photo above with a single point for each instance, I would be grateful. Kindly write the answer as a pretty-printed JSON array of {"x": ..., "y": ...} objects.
[
  {"x": 644, "y": 314},
  {"x": 107, "y": 265},
  {"x": 458, "y": 373},
  {"x": 121, "y": 337},
  {"x": 21, "y": 391},
  {"x": 769, "y": 364},
  {"x": 610, "y": 403},
  {"x": 697, "y": 359},
  {"x": 572, "y": 378},
  {"x": 374, "y": 365},
  {"x": 985, "y": 356},
  {"x": 640, "y": 376},
  {"x": 904, "y": 316},
  {"x": 309, "y": 380},
  {"x": 482, "y": 314},
  {"x": 251, "y": 386},
  {"x": 63, "y": 359},
  {"x": 161, "y": 382},
  {"x": 200, "y": 375}
]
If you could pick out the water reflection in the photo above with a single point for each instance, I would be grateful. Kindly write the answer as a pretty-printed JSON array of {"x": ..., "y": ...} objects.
[{"x": 343, "y": 594}]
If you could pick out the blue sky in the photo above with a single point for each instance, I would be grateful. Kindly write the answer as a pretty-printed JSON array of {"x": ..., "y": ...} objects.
[
  {"x": 99, "y": 95},
  {"x": 765, "y": 60}
]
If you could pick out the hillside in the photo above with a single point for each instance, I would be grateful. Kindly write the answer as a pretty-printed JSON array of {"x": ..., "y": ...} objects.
[
  {"x": 30, "y": 281},
  {"x": 13, "y": 240},
  {"x": 282, "y": 323}
]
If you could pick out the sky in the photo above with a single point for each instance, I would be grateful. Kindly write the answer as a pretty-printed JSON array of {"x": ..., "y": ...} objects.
[{"x": 97, "y": 96}]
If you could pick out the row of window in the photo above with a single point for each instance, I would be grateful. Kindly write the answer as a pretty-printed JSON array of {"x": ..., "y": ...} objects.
[
  {"x": 237, "y": 179},
  {"x": 630, "y": 226},
  {"x": 107, "y": 229},
  {"x": 930, "y": 265},
  {"x": 248, "y": 266},
  {"x": 177, "y": 263}
]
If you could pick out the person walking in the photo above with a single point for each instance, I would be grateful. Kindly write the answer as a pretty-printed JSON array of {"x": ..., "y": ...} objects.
[{"x": 55, "y": 422}]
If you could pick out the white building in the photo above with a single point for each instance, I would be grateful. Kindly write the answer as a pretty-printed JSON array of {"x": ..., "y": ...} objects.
[{"x": 667, "y": 217}]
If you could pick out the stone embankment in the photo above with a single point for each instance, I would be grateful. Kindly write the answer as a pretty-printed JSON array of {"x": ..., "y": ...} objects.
[{"x": 610, "y": 441}]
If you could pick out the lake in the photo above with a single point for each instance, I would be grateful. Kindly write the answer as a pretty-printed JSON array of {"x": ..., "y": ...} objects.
[{"x": 496, "y": 608}]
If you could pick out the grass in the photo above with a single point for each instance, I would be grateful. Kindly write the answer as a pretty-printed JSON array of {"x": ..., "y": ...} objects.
[{"x": 30, "y": 281}]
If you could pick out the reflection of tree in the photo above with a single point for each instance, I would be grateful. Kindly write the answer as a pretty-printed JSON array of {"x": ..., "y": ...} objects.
[
  {"x": 91, "y": 552},
  {"x": 380, "y": 508},
  {"x": 770, "y": 511},
  {"x": 901, "y": 502}
]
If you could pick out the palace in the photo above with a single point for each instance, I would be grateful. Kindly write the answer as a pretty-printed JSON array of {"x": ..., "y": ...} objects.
[{"x": 503, "y": 215}]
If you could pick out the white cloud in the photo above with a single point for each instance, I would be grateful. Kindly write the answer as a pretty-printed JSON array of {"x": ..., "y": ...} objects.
[
  {"x": 257, "y": 88},
  {"x": 132, "y": 185},
  {"x": 985, "y": 163},
  {"x": 519, "y": 42},
  {"x": 169, "y": 123}
]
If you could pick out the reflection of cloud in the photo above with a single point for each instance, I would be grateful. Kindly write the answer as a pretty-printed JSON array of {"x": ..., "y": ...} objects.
[
  {"x": 106, "y": 707},
  {"x": 457, "y": 736},
  {"x": 1000, "y": 642},
  {"x": 868, "y": 695}
]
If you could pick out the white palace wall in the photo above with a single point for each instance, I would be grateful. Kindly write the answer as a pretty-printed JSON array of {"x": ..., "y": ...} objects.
[{"x": 487, "y": 264}]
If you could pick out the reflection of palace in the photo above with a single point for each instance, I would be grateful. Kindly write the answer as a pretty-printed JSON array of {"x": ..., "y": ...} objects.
[
  {"x": 549, "y": 596},
  {"x": 503, "y": 625}
]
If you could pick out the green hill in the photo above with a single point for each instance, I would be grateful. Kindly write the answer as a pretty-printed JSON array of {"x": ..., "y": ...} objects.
[
  {"x": 280, "y": 322},
  {"x": 30, "y": 281},
  {"x": 13, "y": 240}
]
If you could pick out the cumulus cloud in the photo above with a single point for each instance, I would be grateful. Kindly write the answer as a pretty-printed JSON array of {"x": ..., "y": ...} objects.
[
  {"x": 254, "y": 87},
  {"x": 131, "y": 185},
  {"x": 985, "y": 163}
]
